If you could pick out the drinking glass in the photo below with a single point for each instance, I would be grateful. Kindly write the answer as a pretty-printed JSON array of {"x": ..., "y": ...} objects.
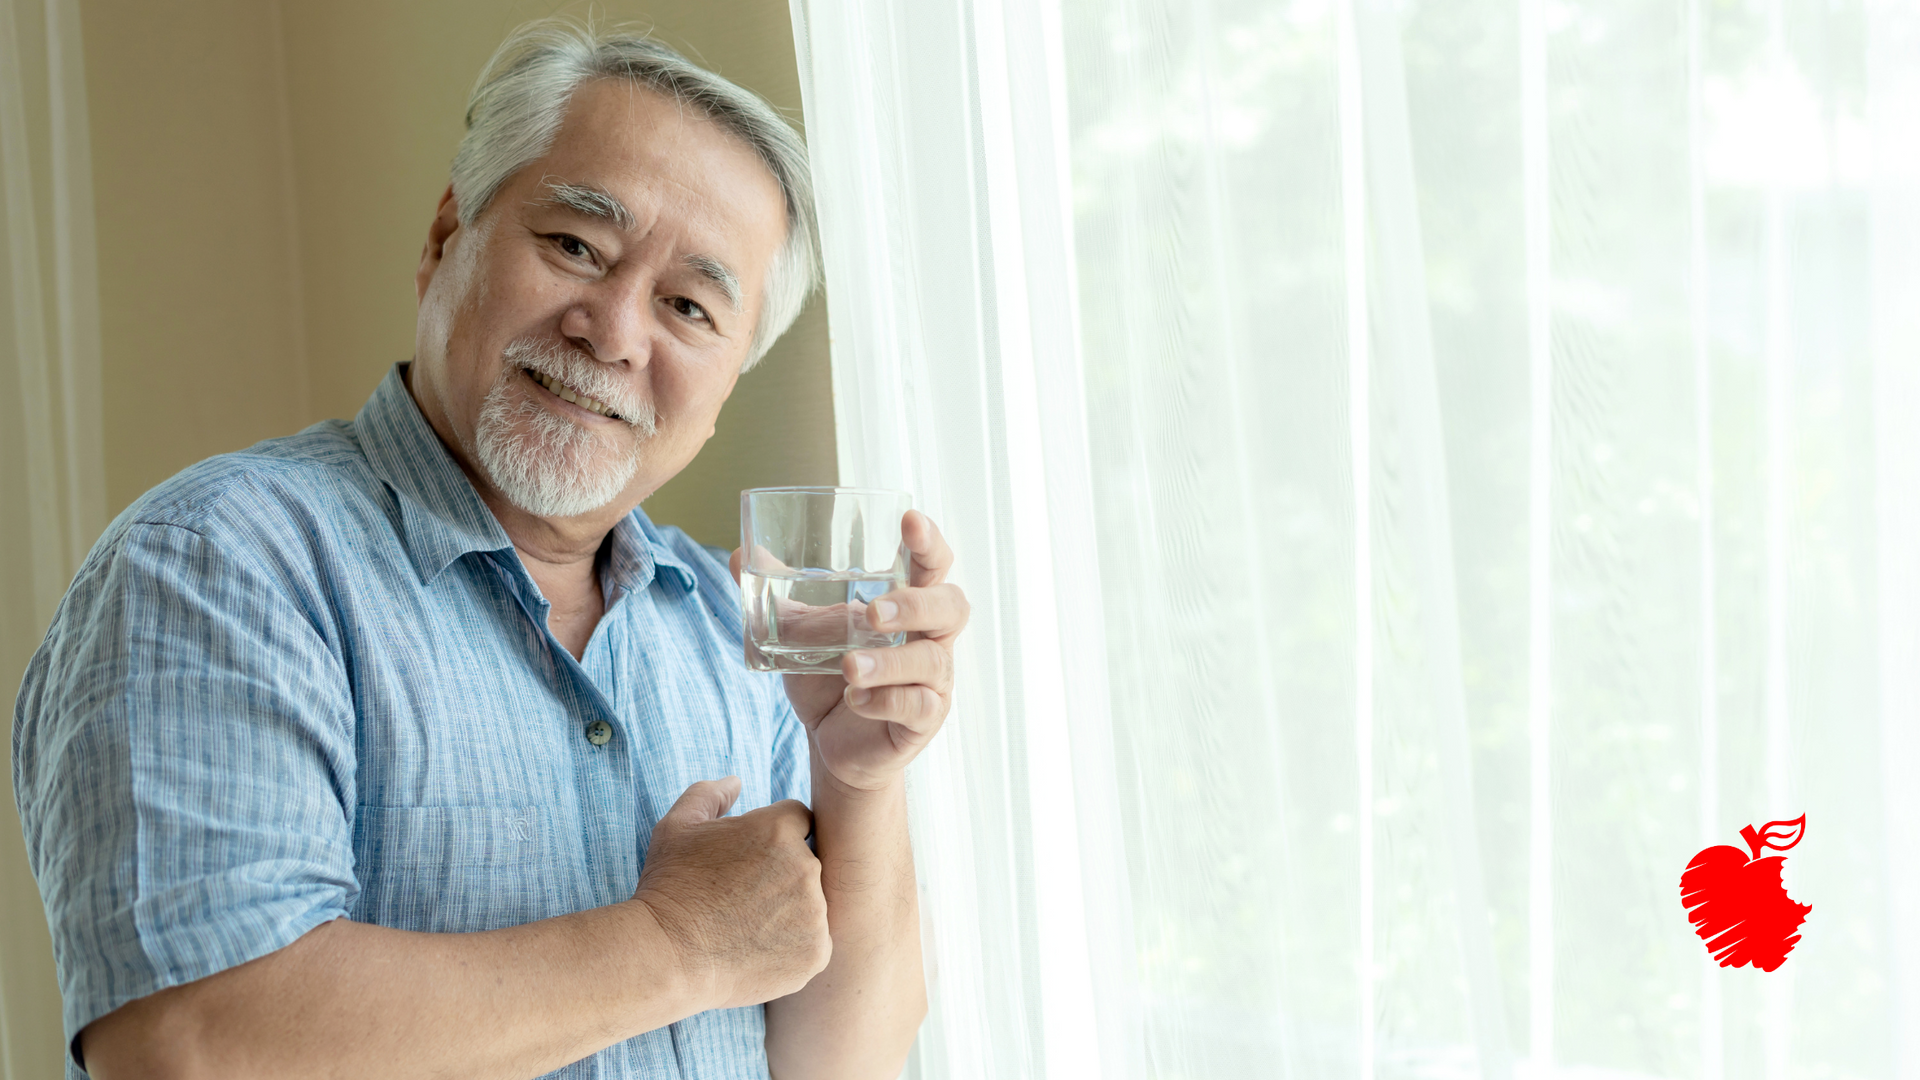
[{"x": 815, "y": 558}]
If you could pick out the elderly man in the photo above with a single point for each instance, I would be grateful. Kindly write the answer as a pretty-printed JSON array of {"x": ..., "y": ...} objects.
[{"x": 406, "y": 746}]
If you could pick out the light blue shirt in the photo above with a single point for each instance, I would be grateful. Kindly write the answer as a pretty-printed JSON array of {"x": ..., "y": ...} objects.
[{"x": 312, "y": 679}]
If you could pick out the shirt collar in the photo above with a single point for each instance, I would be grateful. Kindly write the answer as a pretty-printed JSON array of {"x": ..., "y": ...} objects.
[
  {"x": 442, "y": 516},
  {"x": 639, "y": 552}
]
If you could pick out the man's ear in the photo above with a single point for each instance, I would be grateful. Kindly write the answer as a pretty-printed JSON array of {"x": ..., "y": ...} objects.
[{"x": 446, "y": 221}]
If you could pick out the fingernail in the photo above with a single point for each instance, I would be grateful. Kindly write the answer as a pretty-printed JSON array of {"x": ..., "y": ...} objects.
[
  {"x": 858, "y": 695},
  {"x": 862, "y": 665},
  {"x": 883, "y": 610}
]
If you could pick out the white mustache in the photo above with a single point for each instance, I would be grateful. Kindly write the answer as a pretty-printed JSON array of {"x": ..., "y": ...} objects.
[{"x": 584, "y": 375}]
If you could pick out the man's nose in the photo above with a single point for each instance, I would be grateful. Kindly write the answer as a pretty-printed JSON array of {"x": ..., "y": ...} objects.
[{"x": 616, "y": 323}]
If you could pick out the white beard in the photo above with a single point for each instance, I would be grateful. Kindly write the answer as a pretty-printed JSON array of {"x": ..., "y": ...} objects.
[{"x": 543, "y": 462}]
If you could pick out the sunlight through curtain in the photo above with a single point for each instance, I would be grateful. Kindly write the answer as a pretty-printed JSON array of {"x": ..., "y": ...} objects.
[
  {"x": 1422, "y": 471},
  {"x": 52, "y": 502}
]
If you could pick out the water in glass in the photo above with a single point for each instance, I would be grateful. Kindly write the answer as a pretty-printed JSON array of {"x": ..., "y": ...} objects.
[{"x": 806, "y": 620}]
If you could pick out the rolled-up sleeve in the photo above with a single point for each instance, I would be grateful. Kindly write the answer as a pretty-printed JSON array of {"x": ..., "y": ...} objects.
[{"x": 184, "y": 768}]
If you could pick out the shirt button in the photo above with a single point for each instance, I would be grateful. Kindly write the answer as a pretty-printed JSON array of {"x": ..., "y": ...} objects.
[{"x": 599, "y": 732}]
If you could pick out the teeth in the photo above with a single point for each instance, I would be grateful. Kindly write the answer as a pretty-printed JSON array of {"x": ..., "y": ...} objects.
[{"x": 565, "y": 393}]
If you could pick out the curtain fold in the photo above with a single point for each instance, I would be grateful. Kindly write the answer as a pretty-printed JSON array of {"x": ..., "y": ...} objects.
[
  {"x": 51, "y": 468},
  {"x": 1894, "y": 117},
  {"x": 1418, "y": 526},
  {"x": 1422, "y": 472},
  {"x": 966, "y": 385}
]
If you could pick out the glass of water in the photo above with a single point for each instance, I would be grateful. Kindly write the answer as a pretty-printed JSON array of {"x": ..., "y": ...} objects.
[{"x": 815, "y": 557}]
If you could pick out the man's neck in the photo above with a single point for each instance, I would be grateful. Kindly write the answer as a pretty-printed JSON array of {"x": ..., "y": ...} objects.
[
  {"x": 563, "y": 557},
  {"x": 571, "y": 584},
  {"x": 560, "y": 554}
]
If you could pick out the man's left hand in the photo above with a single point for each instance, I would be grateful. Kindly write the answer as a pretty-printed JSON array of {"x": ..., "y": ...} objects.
[{"x": 873, "y": 718}]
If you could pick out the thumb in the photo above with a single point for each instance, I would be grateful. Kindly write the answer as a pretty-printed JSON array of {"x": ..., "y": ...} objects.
[
  {"x": 733, "y": 564},
  {"x": 704, "y": 800}
]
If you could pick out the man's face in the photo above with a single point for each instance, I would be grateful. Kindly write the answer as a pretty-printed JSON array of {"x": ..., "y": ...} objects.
[{"x": 624, "y": 269}]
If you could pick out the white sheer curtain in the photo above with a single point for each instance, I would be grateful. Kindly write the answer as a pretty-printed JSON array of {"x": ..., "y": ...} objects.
[
  {"x": 1422, "y": 471},
  {"x": 51, "y": 480}
]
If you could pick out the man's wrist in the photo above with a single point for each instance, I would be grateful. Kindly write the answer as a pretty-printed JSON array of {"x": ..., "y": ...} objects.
[
  {"x": 855, "y": 834},
  {"x": 848, "y": 793},
  {"x": 684, "y": 980},
  {"x": 827, "y": 784}
]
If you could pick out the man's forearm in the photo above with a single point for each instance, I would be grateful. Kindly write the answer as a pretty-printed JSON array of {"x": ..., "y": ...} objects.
[
  {"x": 348, "y": 999},
  {"x": 857, "y": 1019}
]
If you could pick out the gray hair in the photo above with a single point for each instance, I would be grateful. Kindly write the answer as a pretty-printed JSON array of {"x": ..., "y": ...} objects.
[{"x": 521, "y": 97}]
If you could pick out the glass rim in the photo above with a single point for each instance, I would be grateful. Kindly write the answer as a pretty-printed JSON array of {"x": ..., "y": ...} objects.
[{"x": 816, "y": 489}]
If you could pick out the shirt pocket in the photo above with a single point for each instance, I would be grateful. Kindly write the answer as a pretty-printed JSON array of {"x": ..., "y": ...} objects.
[{"x": 457, "y": 869}]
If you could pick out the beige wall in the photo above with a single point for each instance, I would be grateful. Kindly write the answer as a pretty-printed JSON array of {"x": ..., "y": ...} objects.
[
  {"x": 265, "y": 174},
  {"x": 201, "y": 346}
]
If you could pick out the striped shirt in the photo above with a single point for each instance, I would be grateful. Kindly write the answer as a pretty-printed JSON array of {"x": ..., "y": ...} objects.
[{"x": 313, "y": 679}]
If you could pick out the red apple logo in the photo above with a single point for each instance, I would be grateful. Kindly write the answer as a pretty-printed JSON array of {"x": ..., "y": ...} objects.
[{"x": 1737, "y": 904}]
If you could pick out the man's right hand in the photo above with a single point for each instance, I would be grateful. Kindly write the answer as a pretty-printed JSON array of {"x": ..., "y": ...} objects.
[{"x": 740, "y": 896}]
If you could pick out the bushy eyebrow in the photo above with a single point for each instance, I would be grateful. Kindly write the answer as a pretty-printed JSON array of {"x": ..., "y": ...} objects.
[
  {"x": 599, "y": 203},
  {"x": 716, "y": 271},
  {"x": 591, "y": 201}
]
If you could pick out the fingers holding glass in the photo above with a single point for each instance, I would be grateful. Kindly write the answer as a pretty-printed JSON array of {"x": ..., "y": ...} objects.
[
  {"x": 917, "y": 708},
  {"x": 932, "y": 558},
  {"x": 925, "y": 663},
  {"x": 937, "y": 611}
]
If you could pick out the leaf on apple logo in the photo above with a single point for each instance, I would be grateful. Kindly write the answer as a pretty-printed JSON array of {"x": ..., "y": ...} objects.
[
  {"x": 1738, "y": 904},
  {"x": 1773, "y": 832}
]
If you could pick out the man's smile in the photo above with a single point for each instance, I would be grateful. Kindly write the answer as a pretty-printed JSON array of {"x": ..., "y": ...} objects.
[{"x": 555, "y": 388}]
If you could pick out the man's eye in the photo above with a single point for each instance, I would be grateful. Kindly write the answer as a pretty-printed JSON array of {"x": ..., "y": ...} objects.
[
  {"x": 573, "y": 246},
  {"x": 689, "y": 309}
]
